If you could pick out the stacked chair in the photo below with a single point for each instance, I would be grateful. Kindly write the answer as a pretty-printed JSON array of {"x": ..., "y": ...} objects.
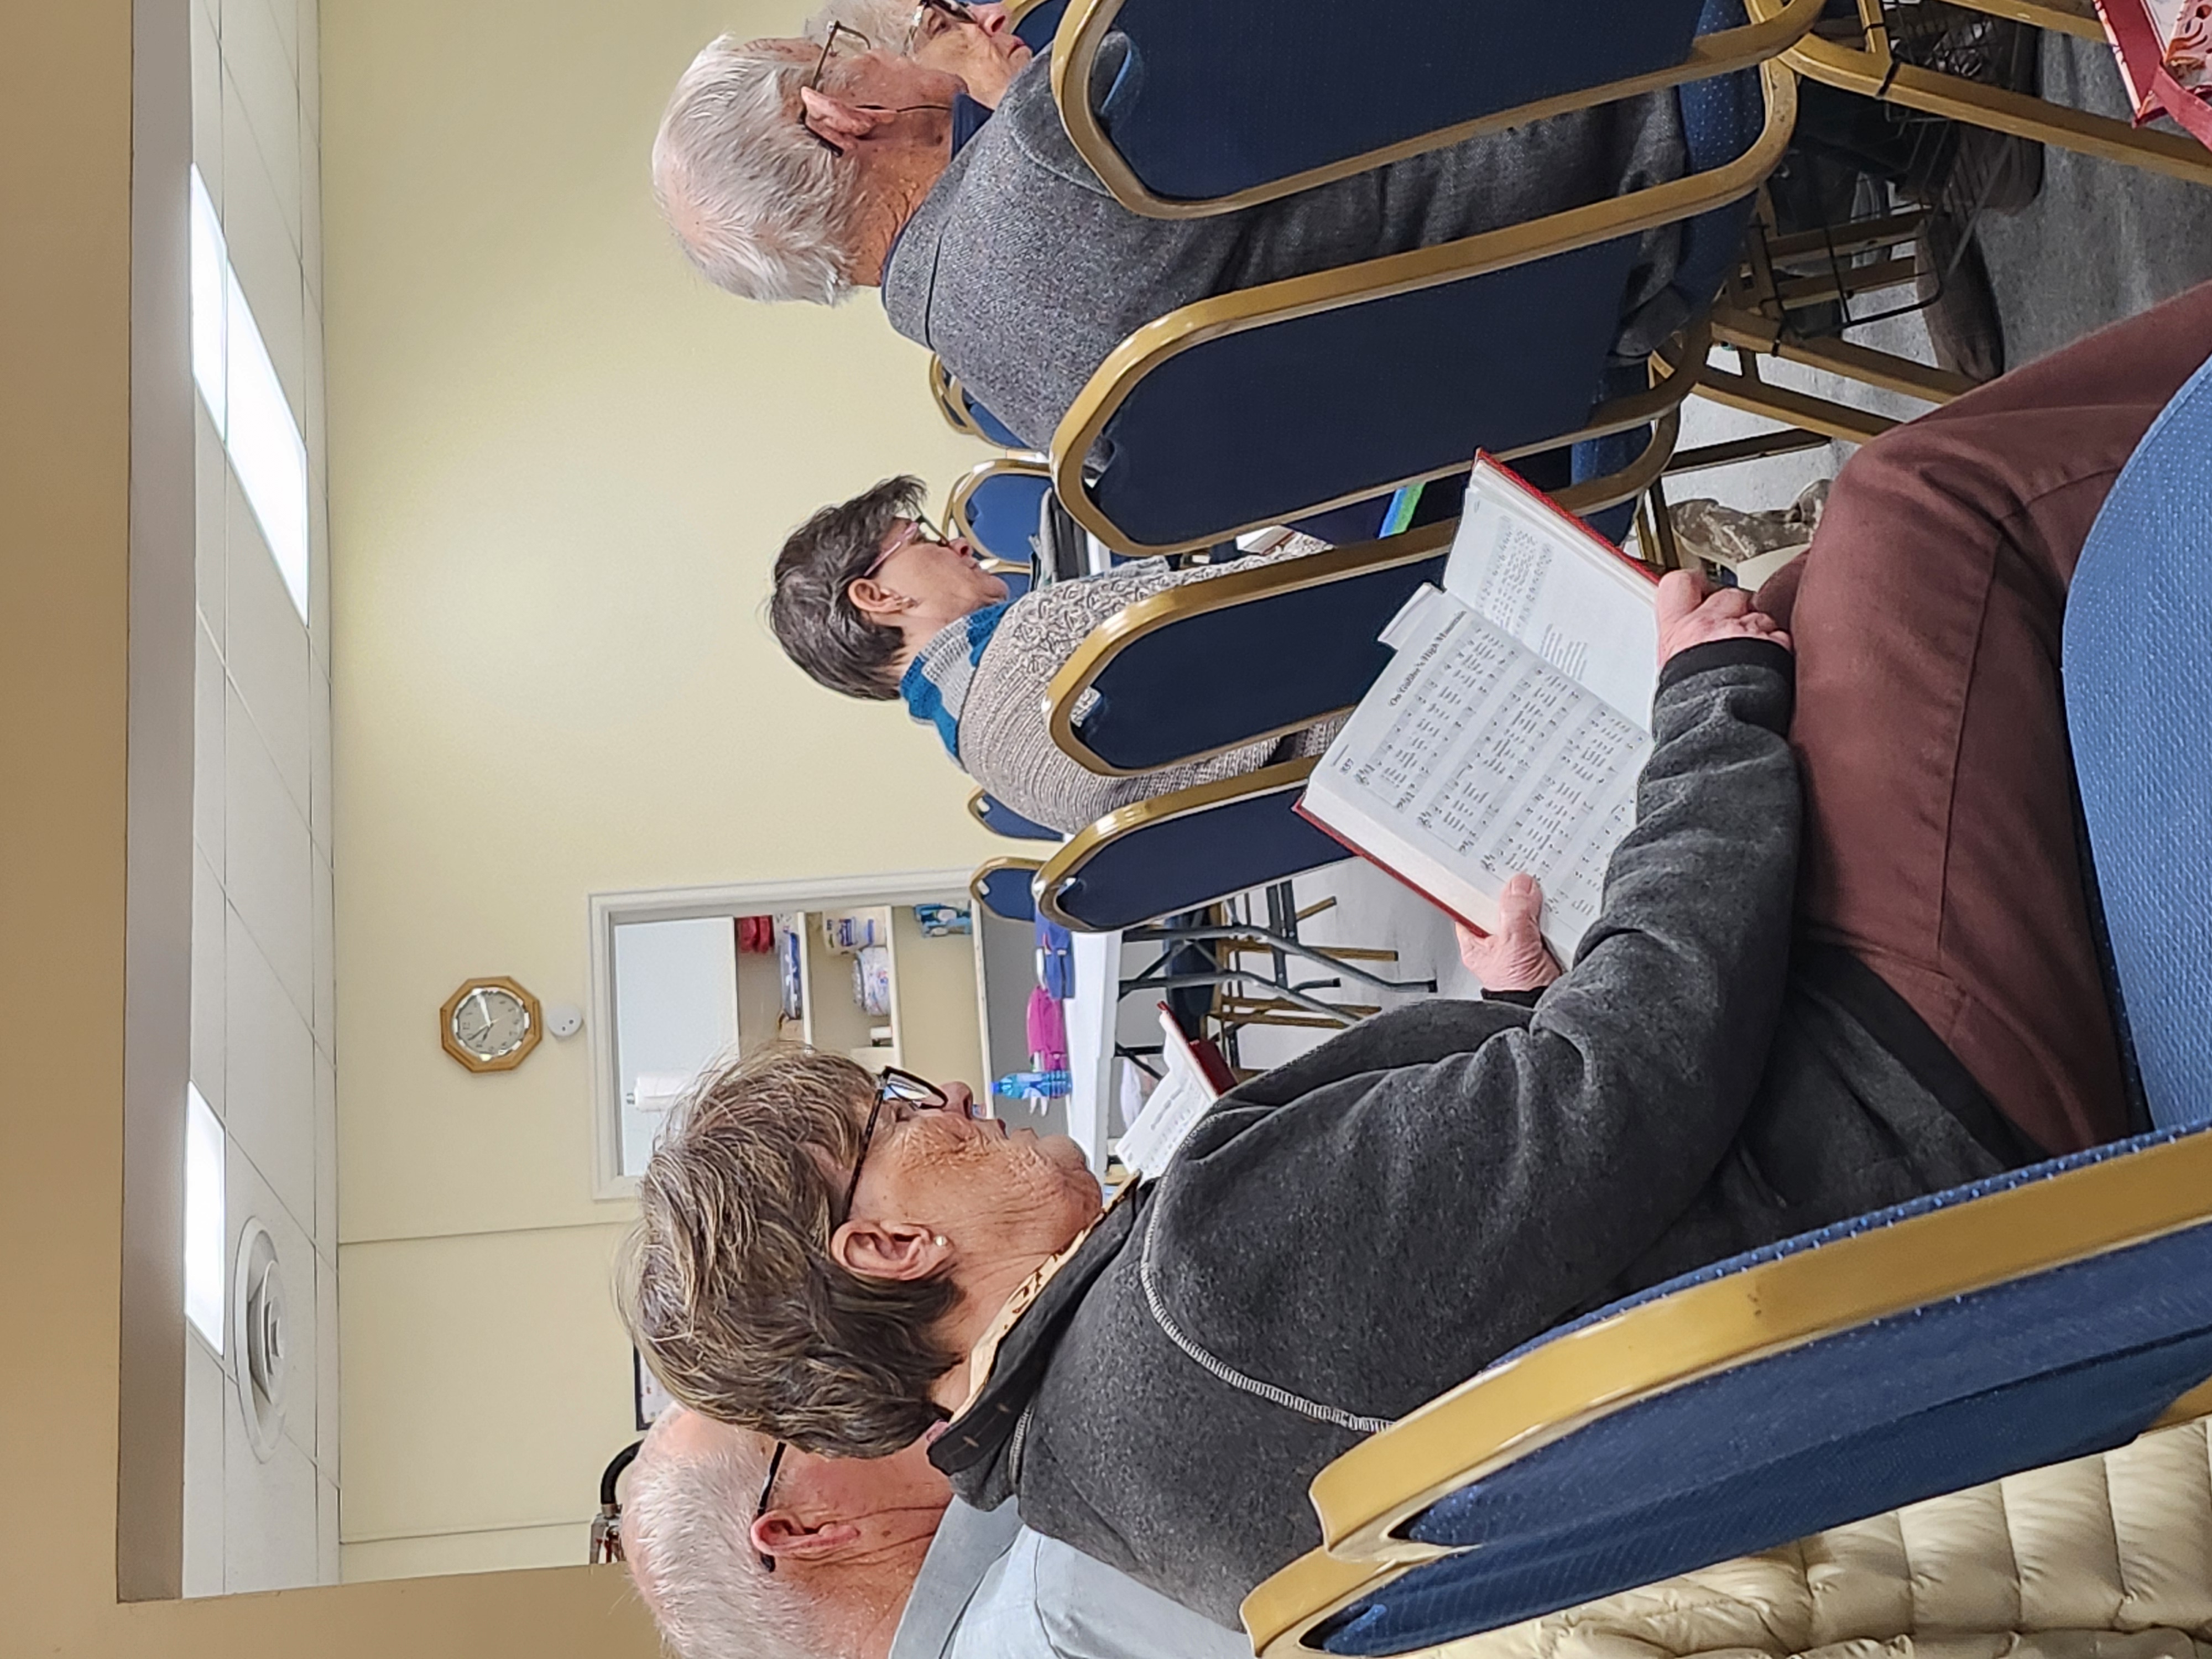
[
  {"x": 1496, "y": 342},
  {"x": 2038, "y": 1316}
]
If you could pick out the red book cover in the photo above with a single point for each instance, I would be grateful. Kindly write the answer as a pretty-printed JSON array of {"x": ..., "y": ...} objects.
[{"x": 2165, "y": 52}]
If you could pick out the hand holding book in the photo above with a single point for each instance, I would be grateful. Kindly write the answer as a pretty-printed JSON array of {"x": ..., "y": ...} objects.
[{"x": 1690, "y": 615}]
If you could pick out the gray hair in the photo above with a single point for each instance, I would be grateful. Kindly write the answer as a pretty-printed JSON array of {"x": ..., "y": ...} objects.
[
  {"x": 758, "y": 201},
  {"x": 686, "y": 1531}
]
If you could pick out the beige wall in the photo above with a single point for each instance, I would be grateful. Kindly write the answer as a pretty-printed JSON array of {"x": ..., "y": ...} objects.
[
  {"x": 559, "y": 468},
  {"x": 65, "y": 335}
]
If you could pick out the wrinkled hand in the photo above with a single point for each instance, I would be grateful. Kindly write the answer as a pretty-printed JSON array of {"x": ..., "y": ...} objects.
[
  {"x": 1689, "y": 614},
  {"x": 1513, "y": 956}
]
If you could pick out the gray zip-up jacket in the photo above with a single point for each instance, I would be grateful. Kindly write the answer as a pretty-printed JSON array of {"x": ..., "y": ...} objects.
[
  {"x": 1348, "y": 1236},
  {"x": 1021, "y": 271}
]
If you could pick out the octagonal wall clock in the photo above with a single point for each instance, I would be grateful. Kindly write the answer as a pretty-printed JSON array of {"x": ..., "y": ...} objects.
[{"x": 490, "y": 1024}]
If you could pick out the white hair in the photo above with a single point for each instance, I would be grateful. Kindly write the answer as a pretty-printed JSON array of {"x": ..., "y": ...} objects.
[
  {"x": 883, "y": 21},
  {"x": 757, "y": 200},
  {"x": 687, "y": 1533}
]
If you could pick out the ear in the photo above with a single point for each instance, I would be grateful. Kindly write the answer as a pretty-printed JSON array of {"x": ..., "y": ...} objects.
[
  {"x": 888, "y": 1250},
  {"x": 834, "y": 121},
  {"x": 875, "y": 601},
  {"x": 784, "y": 1536}
]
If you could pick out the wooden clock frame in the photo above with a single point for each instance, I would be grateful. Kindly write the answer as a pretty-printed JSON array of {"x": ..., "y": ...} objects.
[{"x": 505, "y": 1062}]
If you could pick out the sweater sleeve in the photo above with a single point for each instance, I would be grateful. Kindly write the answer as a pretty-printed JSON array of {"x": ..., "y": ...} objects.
[
  {"x": 1007, "y": 745},
  {"x": 1473, "y": 1173}
]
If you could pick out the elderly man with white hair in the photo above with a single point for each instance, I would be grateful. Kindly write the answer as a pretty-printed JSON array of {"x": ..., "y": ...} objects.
[
  {"x": 793, "y": 169},
  {"x": 745, "y": 1551}
]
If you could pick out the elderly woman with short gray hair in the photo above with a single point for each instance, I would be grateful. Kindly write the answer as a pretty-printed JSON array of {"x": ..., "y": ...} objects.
[{"x": 873, "y": 603}]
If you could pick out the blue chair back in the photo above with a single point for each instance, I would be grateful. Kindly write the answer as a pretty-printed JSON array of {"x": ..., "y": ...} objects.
[
  {"x": 1238, "y": 94},
  {"x": 1040, "y": 23},
  {"x": 1004, "y": 891},
  {"x": 1001, "y": 514},
  {"x": 1216, "y": 677},
  {"x": 990, "y": 425},
  {"x": 1177, "y": 859},
  {"x": 2138, "y": 676},
  {"x": 1263, "y": 426},
  {"x": 1000, "y": 819}
]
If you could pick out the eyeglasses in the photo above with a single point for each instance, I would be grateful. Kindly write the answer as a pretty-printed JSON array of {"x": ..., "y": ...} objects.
[
  {"x": 774, "y": 1463},
  {"x": 904, "y": 1089},
  {"x": 919, "y": 530},
  {"x": 933, "y": 17},
  {"x": 837, "y": 30}
]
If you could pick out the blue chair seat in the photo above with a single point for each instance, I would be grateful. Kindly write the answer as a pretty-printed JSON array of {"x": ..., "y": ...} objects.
[{"x": 1880, "y": 1415}]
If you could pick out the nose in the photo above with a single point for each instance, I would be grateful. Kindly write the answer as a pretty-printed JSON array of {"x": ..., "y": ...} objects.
[
  {"x": 992, "y": 20},
  {"x": 959, "y": 1098}
]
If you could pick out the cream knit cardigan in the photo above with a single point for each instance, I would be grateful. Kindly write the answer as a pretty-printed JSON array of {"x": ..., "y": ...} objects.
[{"x": 2105, "y": 1557}]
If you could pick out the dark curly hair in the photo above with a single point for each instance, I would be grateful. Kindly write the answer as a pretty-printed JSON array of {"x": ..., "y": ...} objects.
[
  {"x": 814, "y": 617},
  {"x": 728, "y": 1286}
]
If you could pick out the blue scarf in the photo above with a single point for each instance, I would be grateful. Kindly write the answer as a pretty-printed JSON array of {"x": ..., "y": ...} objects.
[{"x": 935, "y": 684}]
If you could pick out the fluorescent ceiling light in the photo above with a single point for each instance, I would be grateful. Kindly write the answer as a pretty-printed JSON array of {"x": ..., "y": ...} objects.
[
  {"x": 237, "y": 382},
  {"x": 205, "y": 1215}
]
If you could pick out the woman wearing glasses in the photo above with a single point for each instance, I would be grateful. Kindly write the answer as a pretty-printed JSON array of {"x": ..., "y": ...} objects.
[{"x": 873, "y": 603}]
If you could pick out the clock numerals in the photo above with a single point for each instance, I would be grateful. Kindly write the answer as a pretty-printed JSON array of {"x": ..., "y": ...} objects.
[{"x": 491, "y": 1022}]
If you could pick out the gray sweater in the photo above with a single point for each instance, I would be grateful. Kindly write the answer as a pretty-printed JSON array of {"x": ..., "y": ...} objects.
[
  {"x": 1351, "y": 1234},
  {"x": 1004, "y": 744},
  {"x": 1021, "y": 271}
]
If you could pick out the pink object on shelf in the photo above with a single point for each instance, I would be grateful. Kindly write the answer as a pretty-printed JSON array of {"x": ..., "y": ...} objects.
[
  {"x": 1047, "y": 1031},
  {"x": 2165, "y": 49}
]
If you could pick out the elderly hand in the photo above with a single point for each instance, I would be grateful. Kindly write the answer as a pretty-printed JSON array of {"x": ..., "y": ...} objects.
[
  {"x": 1513, "y": 957},
  {"x": 1689, "y": 614}
]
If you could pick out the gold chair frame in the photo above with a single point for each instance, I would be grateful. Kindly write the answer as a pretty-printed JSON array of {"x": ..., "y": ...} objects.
[
  {"x": 964, "y": 487},
  {"x": 945, "y": 392},
  {"x": 1177, "y": 605},
  {"x": 1874, "y": 71},
  {"x": 1369, "y": 1494},
  {"x": 1139, "y": 815},
  {"x": 1416, "y": 268},
  {"x": 1086, "y": 23}
]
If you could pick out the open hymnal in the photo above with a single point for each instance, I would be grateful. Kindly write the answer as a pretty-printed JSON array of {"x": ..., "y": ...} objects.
[
  {"x": 1192, "y": 1077},
  {"x": 1510, "y": 729}
]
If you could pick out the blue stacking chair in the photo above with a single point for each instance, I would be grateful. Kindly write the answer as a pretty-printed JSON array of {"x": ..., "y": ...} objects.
[
  {"x": 964, "y": 414},
  {"x": 1235, "y": 102},
  {"x": 1002, "y": 887},
  {"x": 1249, "y": 654},
  {"x": 1037, "y": 24},
  {"x": 1179, "y": 851},
  {"x": 995, "y": 505},
  {"x": 1002, "y": 820},
  {"x": 1275, "y": 402},
  {"x": 2038, "y": 1316}
]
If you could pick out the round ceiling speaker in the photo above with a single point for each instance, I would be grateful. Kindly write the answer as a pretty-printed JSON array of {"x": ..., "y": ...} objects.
[{"x": 260, "y": 1335}]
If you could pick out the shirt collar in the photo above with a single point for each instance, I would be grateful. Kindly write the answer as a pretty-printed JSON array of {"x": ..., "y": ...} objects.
[
  {"x": 968, "y": 119},
  {"x": 969, "y": 1541}
]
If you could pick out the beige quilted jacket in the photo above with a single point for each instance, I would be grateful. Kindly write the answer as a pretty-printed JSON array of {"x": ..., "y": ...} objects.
[{"x": 2105, "y": 1558}]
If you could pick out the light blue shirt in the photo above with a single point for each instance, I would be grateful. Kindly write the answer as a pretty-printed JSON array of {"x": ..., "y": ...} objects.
[{"x": 991, "y": 1589}]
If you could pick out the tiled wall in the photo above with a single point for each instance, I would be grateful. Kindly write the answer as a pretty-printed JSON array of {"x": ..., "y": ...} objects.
[{"x": 263, "y": 1052}]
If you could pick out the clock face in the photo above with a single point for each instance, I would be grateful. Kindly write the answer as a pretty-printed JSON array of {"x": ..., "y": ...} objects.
[{"x": 491, "y": 1022}]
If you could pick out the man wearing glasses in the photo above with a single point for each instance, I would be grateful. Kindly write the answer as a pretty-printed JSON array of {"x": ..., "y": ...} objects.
[
  {"x": 800, "y": 170},
  {"x": 869, "y": 1558},
  {"x": 873, "y": 603}
]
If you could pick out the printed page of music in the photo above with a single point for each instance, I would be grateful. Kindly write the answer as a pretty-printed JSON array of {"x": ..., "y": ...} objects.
[
  {"x": 1474, "y": 758},
  {"x": 1560, "y": 590}
]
